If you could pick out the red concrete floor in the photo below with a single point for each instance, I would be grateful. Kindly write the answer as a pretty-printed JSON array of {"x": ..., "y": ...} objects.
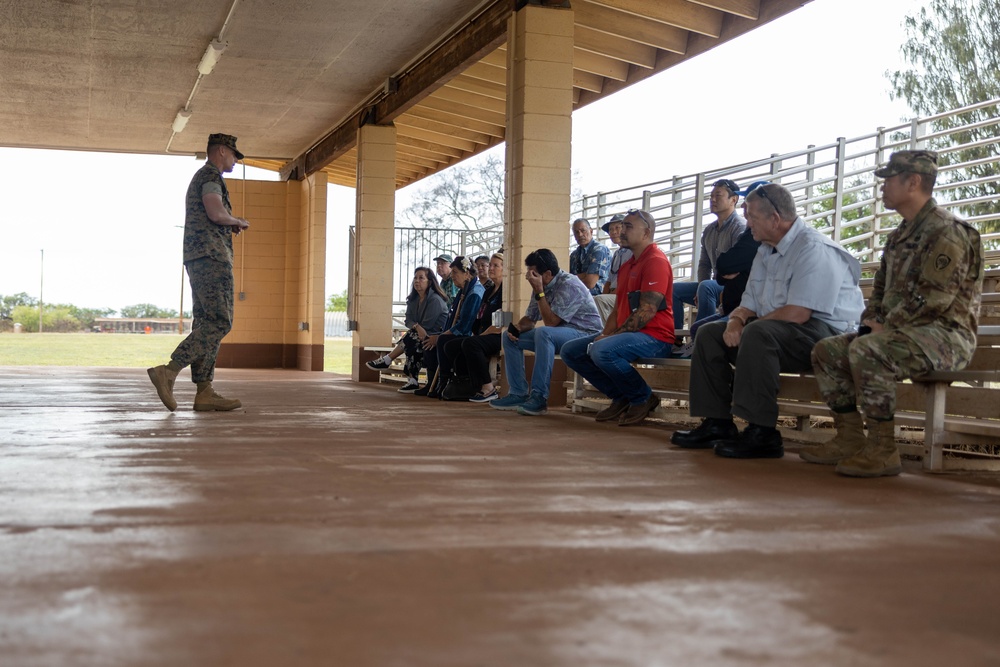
[{"x": 330, "y": 523}]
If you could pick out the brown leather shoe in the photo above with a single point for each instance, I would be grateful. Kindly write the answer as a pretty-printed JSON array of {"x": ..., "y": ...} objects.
[
  {"x": 613, "y": 411},
  {"x": 636, "y": 413}
]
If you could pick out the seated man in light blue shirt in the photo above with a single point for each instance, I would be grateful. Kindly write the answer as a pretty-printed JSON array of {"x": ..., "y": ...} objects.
[
  {"x": 564, "y": 304},
  {"x": 717, "y": 238},
  {"x": 803, "y": 287}
]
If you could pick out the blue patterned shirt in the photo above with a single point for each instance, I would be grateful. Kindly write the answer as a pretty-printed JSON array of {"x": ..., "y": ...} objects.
[
  {"x": 571, "y": 302},
  {"x": 591, "y": 258}
]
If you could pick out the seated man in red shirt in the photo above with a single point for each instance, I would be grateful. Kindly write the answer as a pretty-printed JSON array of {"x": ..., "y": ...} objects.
[{"x": 643, "y": 327}]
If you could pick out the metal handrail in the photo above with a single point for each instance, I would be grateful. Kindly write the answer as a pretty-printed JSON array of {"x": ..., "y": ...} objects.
[{"x": 833, "y": 184}]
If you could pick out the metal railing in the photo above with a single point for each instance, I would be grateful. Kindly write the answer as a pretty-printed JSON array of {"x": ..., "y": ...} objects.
[
  {"x": 418, "y": 246},
  {"x": 834, "y": 186}
]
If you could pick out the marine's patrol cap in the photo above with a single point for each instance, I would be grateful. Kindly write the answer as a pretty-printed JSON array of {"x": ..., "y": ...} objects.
[
  {"x": 910, "y": 162},
  {"x": 227, "y": 140}
]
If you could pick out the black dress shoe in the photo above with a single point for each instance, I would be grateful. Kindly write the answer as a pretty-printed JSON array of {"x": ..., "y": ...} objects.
[
  {"x": 705, "y": 435},
  {"x": 755, "y": 442}
]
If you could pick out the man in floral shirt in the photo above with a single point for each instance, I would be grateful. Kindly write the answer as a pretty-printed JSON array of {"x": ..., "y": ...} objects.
[{"x": 591, "y": 261}]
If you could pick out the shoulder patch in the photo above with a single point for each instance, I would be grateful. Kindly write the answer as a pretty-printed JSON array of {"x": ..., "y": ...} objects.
[{"x": 941, "y": 262}]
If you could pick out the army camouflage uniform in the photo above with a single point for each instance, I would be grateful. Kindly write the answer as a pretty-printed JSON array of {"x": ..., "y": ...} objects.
[
  {"x": 926, "y": 293},
  {"x": 208, "y": 256}
]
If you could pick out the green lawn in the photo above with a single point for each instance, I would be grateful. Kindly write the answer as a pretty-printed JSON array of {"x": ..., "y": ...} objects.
[{"x": 121, "y": 350}]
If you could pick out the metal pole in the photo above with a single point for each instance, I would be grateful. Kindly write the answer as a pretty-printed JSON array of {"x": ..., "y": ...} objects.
[{"x": 41, "y": 284}]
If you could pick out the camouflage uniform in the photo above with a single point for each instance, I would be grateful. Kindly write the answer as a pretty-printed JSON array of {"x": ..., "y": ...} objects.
[
  {"x": 208, "y": 257},
  {"x": 926, "y": 294}
]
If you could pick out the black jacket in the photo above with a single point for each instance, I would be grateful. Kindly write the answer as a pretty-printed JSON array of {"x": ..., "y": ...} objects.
[{"x": 738, "y": 260}]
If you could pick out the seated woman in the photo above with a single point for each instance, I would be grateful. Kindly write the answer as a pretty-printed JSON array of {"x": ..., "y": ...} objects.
[
  {"x": 426, "y": 311},
  {"x": 464, "y": 310},
  {"x": 470, "y": 355}
]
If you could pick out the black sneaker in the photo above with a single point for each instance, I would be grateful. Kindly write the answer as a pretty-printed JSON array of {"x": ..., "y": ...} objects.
[
  {"x": 480, "y": 397},
  {"x": 410, "y": 387},
  {"x": 379, "y": 364}
]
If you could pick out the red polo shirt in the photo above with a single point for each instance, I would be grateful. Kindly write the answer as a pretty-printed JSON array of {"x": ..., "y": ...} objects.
[{"x": 649, "y": 272}]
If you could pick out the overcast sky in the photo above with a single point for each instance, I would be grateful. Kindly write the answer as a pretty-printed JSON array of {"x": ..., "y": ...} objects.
[{"x": 110, "y": 224}]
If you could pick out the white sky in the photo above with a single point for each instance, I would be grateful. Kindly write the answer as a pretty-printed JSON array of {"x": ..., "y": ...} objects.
[{"x": 110, "y": 223}]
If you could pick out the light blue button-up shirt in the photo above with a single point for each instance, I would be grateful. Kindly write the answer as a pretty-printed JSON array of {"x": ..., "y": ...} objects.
[{"x": 809, "y": 270}]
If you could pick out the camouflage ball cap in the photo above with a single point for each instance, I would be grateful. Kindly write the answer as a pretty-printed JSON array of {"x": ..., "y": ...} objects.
[
  {"x": 227, "y": 140},
  {"x": 909, "y": 162}
]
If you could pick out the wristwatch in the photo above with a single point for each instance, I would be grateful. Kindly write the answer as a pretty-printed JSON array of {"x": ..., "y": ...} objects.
[{"x": 540, "y": 295}]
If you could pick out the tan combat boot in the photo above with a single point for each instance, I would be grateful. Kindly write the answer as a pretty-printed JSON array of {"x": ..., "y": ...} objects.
[
  {"x": 848, "y": 441},
  {"x": 879, "y": 457},
  {"x": 163, "y": 379},
  {"x": 207, "y": 400}
]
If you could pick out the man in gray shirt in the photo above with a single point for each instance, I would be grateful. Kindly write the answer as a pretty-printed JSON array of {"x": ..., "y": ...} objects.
[
  {"x": 717, "y": 238},
  {"x": 803, "y": 287}
]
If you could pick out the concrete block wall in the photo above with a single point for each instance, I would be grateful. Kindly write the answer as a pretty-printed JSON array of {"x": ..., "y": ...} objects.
[{"x": 279, "y": 266}]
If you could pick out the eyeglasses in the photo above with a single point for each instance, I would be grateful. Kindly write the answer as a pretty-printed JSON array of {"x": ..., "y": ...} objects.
[
  {"x": 762, "y": 191},
  {"x": 727, "y": 184}
]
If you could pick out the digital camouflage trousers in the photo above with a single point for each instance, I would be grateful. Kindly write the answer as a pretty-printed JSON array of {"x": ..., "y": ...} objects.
[{"x": 212, "y": 293}]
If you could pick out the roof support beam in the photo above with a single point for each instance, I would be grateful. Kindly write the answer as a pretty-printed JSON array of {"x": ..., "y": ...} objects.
[
  {"x": 681, "y": 13},
  {"x": 748, "y": 9},
  {"x": 615, "y": 47},
  {"x": 636, "y": 28},
  {"x": 604, "y": 66},
  {"x": 477, "y": 38}
]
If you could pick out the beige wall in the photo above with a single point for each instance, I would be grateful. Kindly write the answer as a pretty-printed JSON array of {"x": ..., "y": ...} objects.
[{"x": 279, "y": 266}]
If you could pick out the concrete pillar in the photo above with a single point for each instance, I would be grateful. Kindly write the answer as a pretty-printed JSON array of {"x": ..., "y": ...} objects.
[
  {"x": 374, "y": 241},
  {"x": 539, "y": 132}
]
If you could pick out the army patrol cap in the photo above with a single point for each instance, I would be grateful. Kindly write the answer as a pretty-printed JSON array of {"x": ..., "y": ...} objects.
[
  {"x": 909, "y": 162},
  {"x": 227, "y": 140}
]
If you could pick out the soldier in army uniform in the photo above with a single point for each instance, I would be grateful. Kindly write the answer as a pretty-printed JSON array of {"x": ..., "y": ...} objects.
[
  {"x": 208, "y": 256},
  {"x": 921, "y": 317}
]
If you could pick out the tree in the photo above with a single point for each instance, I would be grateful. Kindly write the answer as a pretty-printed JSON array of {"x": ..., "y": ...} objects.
[
  {"x": 9, "y": 303},
  {"x": 87, "y": 316},
  {"x": 337, "y": 302},
  {"x": 462, "y": 200},
  {"x": 55, "y": 318},
  {"x": 953, "y": 47},
  {"x": 147, "y": 310}
]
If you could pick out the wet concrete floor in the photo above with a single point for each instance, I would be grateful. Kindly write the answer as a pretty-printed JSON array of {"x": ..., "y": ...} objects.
[{"x": 331, "y": 523}]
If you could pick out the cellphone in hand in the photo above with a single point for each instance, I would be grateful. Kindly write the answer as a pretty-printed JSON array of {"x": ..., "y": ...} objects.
[{"x": 513, "y": 330}]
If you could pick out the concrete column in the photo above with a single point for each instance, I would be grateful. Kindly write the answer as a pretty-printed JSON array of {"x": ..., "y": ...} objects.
[
  {"x": 374, "y": 242},
  {"x": 539, "y": 132}
]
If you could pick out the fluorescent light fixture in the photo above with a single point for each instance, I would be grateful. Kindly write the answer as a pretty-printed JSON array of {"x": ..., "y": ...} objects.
[
  {"x": 212, "y": 55},
  {"x": 181, "y": 121}
]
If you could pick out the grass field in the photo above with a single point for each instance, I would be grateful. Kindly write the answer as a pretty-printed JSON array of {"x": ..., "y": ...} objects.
[{"x": 121, "y": 350}]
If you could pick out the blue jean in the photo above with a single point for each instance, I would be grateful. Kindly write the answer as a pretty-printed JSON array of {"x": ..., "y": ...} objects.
[
  {"x": 608, "y": 365},
  {"x": 545, "y": 342},
  {"x": 708, "y": 292}
]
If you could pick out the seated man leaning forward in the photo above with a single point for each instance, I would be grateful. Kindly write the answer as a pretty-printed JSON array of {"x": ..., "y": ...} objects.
[
  {"x": 921, "y": 317},
  {"x": 643, "y": 326},
  {"x": 803, "y": 287},
  {"x": 567, "y": 309},
  {"x": 591, "y": 261}
]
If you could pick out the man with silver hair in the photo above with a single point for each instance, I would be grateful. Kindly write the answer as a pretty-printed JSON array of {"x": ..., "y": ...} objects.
[{"x": 803, "y": 287}]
